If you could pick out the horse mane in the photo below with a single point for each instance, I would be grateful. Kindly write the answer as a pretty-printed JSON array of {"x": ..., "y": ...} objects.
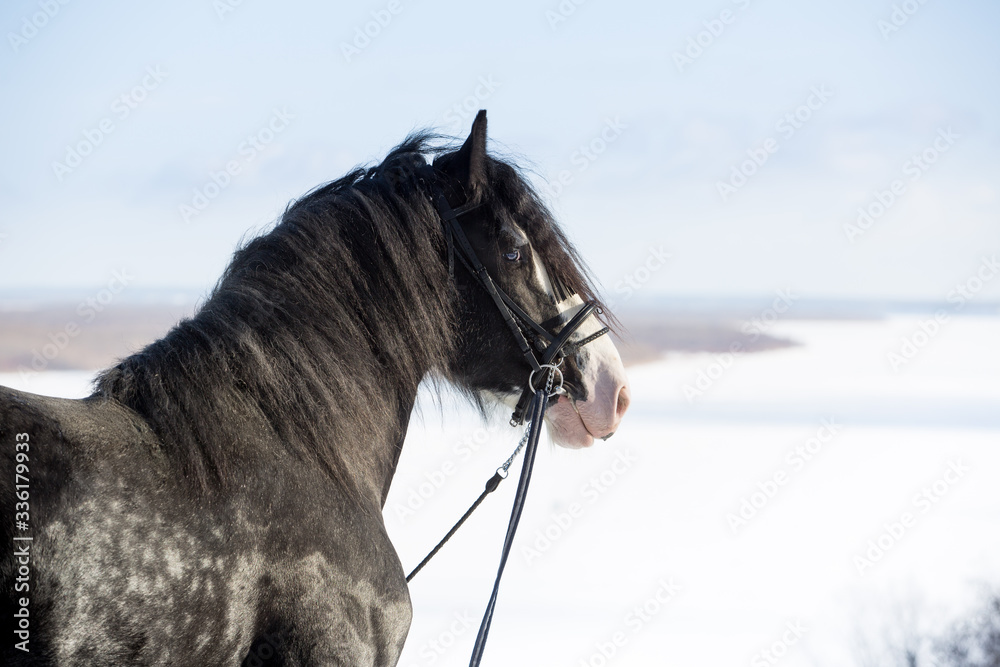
[{"x": 347, "y": 294}]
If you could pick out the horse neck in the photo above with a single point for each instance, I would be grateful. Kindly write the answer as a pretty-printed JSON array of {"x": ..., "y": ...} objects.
[
  {"x": 355, "y": 339},
  {"x": 313, "y": 342}
]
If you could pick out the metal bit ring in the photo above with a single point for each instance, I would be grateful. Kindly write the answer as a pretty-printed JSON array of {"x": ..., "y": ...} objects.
[{"x": 554, "y": 370}]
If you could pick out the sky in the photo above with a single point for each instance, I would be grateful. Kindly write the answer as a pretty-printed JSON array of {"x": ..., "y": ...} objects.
[{"x": 709, "y": 148}]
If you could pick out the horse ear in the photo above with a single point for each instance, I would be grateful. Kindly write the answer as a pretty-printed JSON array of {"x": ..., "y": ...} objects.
[{"x": 470, "y": 160}]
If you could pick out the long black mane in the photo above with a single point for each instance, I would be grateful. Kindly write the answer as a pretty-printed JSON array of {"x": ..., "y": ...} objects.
[{"x": 345, "y": 302}]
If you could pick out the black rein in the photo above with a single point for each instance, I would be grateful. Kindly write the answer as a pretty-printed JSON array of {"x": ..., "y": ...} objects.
[{"x": 552, "y": 346}]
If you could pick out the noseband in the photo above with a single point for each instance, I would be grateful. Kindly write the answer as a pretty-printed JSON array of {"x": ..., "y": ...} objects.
[{"x": 545, "y": 349}]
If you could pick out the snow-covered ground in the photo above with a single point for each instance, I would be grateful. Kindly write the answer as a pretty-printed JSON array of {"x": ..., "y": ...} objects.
[
  {"x": 749, "y": 503},
  {"x": 629, "y": 553}
]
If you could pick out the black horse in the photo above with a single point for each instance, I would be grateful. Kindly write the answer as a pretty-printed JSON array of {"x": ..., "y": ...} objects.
[{"x": 217, "y": 500}]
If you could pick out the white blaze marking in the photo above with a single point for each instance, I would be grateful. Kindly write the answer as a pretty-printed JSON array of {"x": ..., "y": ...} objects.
[
  {"x": 599, "y": 356},
  {"x": 543, "y": 280},
  {"x": 598, "y": 360},
  {"x": 596, "y": 357}
]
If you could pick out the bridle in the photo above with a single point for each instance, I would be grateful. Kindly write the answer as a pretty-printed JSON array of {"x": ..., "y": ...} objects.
[
  {"x": 541, "y": 349},
  {"x": 532, "y": 338}
]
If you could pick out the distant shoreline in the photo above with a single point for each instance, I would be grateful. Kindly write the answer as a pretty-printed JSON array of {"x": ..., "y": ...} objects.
[
  {"x": 81, "y": 336},
  {"x": 67, "y": 330}
]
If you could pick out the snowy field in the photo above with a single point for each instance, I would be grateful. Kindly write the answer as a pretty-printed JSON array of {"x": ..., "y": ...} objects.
[
  {"x": 627, "y": 553},
  {"x": 767, "y": 502}
]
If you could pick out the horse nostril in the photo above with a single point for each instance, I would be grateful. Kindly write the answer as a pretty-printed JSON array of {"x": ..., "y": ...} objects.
[
  {"x": 608, "y": 435},
  {"x": 623, "y": 401}
]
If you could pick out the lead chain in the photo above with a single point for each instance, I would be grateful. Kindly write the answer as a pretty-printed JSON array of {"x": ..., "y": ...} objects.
[{"x": 502, "y": 470}]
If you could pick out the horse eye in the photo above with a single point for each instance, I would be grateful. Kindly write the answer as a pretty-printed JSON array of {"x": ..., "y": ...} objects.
[{"x": 512, "y": 256}]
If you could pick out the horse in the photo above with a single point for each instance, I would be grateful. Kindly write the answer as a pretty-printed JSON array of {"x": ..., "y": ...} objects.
[{"x": 218, "y": 499}]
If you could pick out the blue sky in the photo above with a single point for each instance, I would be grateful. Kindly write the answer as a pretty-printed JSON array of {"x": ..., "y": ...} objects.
[{"x": 664, "y": 132}]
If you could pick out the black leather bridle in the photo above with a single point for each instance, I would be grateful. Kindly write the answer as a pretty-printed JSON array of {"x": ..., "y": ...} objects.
[{"x": 532, "y": 338}]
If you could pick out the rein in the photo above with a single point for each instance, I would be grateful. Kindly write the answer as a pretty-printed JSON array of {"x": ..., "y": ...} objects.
[
  {"x": 529, "y": 442},
  {"x": 553, "y": 348}
]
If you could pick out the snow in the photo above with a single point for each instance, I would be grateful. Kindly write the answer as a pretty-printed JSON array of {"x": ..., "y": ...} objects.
[
  {"x": 788, "y": 580},
  {"x": 66, "y": 384},
  {"x": 627, "y": 552}
]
